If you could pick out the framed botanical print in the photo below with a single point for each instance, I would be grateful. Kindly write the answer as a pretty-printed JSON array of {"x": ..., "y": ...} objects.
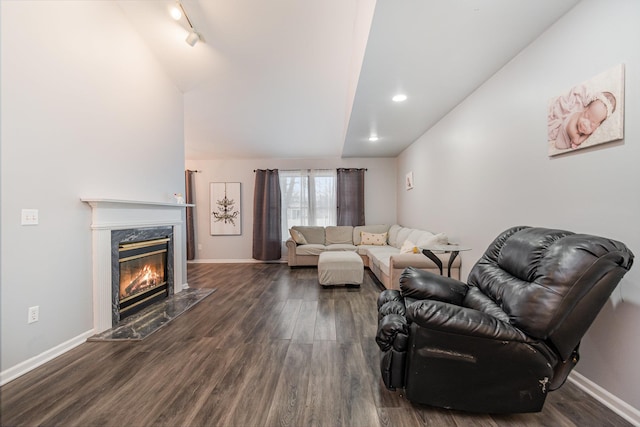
[{"x": 225, "y": 208}]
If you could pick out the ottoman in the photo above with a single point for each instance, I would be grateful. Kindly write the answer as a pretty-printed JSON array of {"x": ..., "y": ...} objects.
[{"x": 340, "y": 268}]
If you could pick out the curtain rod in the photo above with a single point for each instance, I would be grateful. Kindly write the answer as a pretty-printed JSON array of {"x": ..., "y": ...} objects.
[{"x": 288, "y": 170}]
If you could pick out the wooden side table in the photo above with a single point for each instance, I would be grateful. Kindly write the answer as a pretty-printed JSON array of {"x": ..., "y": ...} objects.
[{"x": 453, "y": 250}]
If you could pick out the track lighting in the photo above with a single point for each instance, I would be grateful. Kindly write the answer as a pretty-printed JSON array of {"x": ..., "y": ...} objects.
[{"x": 177, "y": 12}]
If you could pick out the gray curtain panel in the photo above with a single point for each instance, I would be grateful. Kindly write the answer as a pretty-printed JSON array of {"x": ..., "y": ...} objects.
[
  {"x": 189, "y": 198},
  {"x": 350, "y": 195},
  {"x": 267, "y": 228}
]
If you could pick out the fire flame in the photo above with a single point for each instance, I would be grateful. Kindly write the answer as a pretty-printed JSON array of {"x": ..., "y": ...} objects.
[{"x": 147, "y": 278}]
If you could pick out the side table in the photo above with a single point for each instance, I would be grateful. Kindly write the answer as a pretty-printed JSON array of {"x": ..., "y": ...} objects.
[{"x": 453, "y": 250}]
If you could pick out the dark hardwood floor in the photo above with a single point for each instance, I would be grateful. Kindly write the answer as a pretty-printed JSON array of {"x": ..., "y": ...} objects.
[{"x": 269, "y": 348}]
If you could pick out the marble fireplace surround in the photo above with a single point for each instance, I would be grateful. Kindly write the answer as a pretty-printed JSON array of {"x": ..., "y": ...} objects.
[{"x": 113, "y": 214}]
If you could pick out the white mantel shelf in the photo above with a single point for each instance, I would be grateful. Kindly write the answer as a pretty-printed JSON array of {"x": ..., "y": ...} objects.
[
  {"x": 96, "y": 201},
  {"x": 120, "y": 213}
]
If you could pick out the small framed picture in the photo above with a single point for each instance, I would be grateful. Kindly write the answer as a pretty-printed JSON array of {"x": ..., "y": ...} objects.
[{"x": 409, "y": 181}]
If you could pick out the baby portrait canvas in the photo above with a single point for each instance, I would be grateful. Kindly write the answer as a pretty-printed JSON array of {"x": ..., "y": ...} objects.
[{"x": 588, "y": 114}]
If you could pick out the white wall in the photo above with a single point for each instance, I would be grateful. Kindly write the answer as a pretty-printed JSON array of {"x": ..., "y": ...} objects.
[
  {"x": 484, "y": 168},
  {"x": 380, "y": 197},
  {"x": 86, "y": 111}
]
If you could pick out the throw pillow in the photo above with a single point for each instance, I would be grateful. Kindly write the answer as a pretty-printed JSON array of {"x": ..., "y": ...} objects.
[
  {"x": 297, "y": 237},
  {"x": 373, "y": 239},
  {"x": 408, "y": 247}
]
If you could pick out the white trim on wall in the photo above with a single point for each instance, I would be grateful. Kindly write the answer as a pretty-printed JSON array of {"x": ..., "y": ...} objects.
[
  {"x": 22, "y": 368},
  {"x": 612, "y": 402}
]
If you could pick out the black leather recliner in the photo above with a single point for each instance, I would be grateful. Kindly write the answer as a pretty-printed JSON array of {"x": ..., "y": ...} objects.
[{"x": 501, "y": 342}]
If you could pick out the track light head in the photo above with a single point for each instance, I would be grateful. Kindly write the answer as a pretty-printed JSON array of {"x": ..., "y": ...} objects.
[
  {"x": 192, "y": 38},
  {"x": 175, "y": 12}
]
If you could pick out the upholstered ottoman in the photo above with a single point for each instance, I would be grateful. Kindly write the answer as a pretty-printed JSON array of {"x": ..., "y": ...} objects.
[{"x": 340, "y": 268}]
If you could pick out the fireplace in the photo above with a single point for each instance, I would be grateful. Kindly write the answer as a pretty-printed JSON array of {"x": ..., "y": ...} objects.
[
  {"x": 114, "y": 221},
  {"x": 142, "y": 272}
]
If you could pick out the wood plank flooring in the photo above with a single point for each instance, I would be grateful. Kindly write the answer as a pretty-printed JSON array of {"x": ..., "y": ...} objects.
[{"x": 269, "y": 348}]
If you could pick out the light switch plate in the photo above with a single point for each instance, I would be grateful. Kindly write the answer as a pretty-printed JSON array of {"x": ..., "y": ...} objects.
[{"x": 29, "y": 216}]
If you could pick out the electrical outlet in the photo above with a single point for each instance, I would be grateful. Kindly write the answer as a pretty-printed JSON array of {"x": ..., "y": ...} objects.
[{"x": 34, "y": 314}]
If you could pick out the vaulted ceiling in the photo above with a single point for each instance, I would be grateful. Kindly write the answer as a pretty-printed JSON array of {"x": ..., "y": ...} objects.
[{"x": 314, "y": 79}]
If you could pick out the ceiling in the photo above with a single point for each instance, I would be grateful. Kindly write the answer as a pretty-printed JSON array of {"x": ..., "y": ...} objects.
[{"x": 314, "y": 79}]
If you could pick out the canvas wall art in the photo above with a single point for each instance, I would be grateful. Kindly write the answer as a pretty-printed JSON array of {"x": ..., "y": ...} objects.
[
  {"x": 408, "y": 181},
  {"x": 225, "y": 208},
  {"x": 588, "y": 114}
]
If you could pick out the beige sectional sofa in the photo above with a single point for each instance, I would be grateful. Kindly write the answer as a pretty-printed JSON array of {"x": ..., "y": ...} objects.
[{"x": 386, "y": 260}]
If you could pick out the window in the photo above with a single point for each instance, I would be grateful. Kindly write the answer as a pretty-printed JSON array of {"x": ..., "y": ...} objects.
[{"x": 308, "y": 198}]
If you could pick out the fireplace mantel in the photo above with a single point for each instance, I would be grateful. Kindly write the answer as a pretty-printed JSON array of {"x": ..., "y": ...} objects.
[
  {"x": 95, "y": 202},
  {"x": 116, "y": 214}
]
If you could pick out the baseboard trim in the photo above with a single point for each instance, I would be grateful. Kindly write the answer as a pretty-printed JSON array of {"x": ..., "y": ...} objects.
[
  {"x": 31, "y": 364},
  {"x": 234, "y": 261},
  {"x": 612, "y": 402}
]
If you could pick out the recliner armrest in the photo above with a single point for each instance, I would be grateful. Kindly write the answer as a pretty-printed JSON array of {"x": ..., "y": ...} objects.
[
  {"x": 423, "y": 285},
  {"x": 449, "y": 318},
  {"x": 393, "y": 331},
  {"x": 389, "y": 295}
]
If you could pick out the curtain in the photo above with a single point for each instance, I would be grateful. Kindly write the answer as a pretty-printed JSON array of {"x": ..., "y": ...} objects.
[
  {"x": 267, "y": 236},
  {"x": 189, "y": 198},
  {"x": 350, "y": 196}
]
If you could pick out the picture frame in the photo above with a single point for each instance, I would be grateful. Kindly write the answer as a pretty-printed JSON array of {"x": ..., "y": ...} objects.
[
  {"x": 409, "y": 181},
  {"x": 225, "y": 208},
  {"x": 590, "y": 113}
]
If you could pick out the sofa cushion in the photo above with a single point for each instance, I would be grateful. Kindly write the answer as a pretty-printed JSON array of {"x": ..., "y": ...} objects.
[
  {"x": 373, "y": 239},
  {"x": 310, "y": 249},
  {"x": 297, "y": 237},
  {"x": 341, "y": 247},
  {"x": 424, "y": 238},
  {"x": 312, "y": 234},
  {"x": 393, "y": 234},
  {"x": 416, "y": 235},
  {"x": 403, "y": 234},
  {"x": 339, "y": 234},
  {"x": 376, "y": 229},
  {"x": 363, "y": 249},
  {"x": 383, "y": 263},
  {"x": 379, "y": 255}
]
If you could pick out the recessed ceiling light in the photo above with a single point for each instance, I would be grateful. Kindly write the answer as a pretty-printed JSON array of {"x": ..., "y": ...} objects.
[
  {"x": 399, "y": 97},
  {"x": 373, "y": 138}
]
